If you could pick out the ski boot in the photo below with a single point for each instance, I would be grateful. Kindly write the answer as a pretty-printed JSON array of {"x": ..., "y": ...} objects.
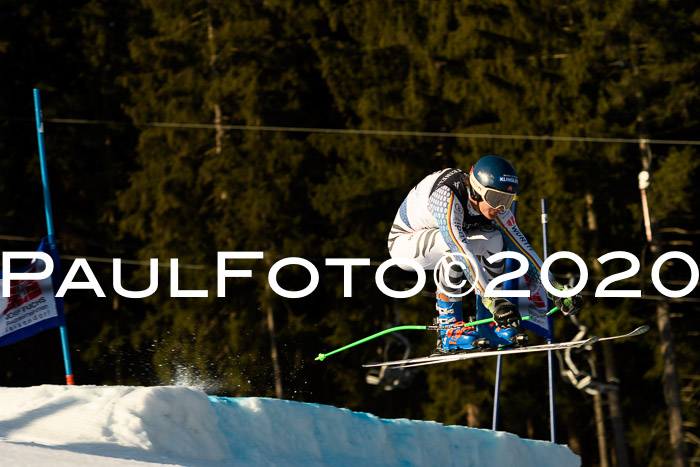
[
  {"x": 505, "y": 309},
  {"x": 458, "y": 337},
  {"x": 509, "y": 333}
]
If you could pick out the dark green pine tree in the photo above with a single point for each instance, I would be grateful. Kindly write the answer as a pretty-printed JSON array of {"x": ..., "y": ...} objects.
[
  {"x": 650, "y": 87},
  {"x": 202, "y": 191},
  {"x": 72, "y": 55},
  {"x": 509, "y": 69},
  {"x": 495, "y": 67}
]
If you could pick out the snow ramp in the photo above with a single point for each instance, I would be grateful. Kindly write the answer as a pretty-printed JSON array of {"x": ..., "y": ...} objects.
[{"x": 175, "y": 425}]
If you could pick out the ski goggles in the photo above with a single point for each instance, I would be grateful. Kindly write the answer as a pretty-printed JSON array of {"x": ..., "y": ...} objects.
[{"x": 494, "y": 198}]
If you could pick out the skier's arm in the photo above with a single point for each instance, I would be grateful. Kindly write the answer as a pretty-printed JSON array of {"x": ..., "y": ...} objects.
[
  {"x": 449, "y": 213},
  {"x": 516, "y": 241}
]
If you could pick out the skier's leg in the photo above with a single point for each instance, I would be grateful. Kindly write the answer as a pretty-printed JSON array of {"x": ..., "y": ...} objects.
[
  {"x": 449, "y": 307},
  {"x": 428, "y": 248},
  {"x": 487, "y": 242}
]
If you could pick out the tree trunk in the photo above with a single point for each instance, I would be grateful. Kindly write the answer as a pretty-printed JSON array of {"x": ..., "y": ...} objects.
[
  {"x": 473, "y": 415},
  {"x": 672, "y": 392},
  {"x": 609, "y": 364},
  {"x": 214, "y": 75},
  {"x": 118, "y": 356},
  {"x": 600, "y": 430},
  {"x": 671, "y": 387},
  {"x": 592, "y": 222},
  {"x": 269, "y": 310},
  {"x": 615, "y": 407}
]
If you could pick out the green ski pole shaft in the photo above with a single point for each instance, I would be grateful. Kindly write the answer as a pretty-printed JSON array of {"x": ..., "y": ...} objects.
[
  {"x": 490, "y": 320},
  {"x": 323, "y": 356}
]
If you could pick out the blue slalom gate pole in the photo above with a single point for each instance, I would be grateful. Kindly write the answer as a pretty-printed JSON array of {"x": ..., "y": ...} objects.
[
  {"x": 508, "y": 285},
  {"x": 49, "y": 220},
  {"x": 497, "y": 393},
  {"x": 550, "y": 354}
]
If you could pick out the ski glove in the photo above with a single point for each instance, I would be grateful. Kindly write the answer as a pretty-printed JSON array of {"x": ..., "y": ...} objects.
[
  {"x": 505, "y": 314},
  {"x": 569, "y": 306}
]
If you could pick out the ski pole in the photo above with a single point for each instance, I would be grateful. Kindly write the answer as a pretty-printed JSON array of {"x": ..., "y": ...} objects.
[{"x": 323, "y": 356}]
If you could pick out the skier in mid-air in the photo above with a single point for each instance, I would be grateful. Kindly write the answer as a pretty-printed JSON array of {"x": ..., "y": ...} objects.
[{"x": 458, "y": 216}]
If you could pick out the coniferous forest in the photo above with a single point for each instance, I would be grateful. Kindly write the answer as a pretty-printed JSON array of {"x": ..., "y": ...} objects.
[{"x": 180, "y": 129}]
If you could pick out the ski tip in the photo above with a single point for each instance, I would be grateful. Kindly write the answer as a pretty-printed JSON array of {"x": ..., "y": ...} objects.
[
  {"x": 376, "y": 364},
  {"x": 321, "y": 357},
  {"x": 641, "y": 329}
]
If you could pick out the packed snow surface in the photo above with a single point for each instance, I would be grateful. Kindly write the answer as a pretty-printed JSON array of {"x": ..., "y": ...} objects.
[{"x": 174, "y": 425}]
